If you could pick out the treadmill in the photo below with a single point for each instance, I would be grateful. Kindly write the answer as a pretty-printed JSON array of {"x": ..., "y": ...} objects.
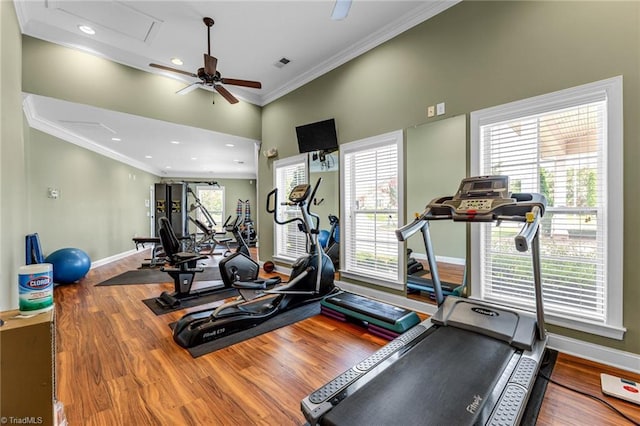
[{"x": 472, "y": 362}]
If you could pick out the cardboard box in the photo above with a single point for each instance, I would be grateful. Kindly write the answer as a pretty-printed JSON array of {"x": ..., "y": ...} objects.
[{"x": 27, "y": 369}]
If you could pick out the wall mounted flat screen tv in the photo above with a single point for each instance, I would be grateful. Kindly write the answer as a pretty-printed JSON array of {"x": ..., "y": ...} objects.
[{"x": 320, "y": 136}]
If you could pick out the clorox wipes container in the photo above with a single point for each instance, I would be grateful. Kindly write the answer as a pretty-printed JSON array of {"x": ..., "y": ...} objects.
[{"x": 36, "y": 288}]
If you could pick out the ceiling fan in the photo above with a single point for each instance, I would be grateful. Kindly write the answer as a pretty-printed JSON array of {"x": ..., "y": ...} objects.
[{"x": 209, "y": 76}]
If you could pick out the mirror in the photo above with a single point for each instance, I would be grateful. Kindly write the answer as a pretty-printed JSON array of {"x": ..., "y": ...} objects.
[
  {"x": 327, "y": 200},
  {"x": 435, "y": 165},
  {"x": 436, "y": 162}
]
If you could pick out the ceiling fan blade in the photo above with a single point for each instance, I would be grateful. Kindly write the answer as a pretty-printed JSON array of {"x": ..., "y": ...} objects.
[
  {"x": 225, "y": 94},
  {"x": 245, "y": 83},
  {"x": 162, "y": 67},
  {"x": 189, "y": 88},
  {"x": 210, "y": 64}
]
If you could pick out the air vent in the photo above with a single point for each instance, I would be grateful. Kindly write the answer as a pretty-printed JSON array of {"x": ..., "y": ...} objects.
[{"x": 282, "y": 62}]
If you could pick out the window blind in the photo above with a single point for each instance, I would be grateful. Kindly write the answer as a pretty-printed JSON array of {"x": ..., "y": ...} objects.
[
  {"x": 560, "y": 153},
  {"x": 290, "y": 242},
  {"x": 371, "y": 208}
]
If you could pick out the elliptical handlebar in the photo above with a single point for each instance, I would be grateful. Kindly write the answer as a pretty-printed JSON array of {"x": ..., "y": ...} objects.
[
  {"x": 304, "y": 204},
  {"x": 316, "y": 229}
]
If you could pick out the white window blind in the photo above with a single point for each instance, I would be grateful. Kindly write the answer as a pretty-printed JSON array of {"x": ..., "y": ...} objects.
[
  {"x": 558, "y": 147},
  {"x": 290, "y": 242},
  {"x": 371, "y": 203}
]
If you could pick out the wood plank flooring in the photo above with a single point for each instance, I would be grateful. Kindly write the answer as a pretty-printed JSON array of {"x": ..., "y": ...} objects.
[{"x": 118, "y": 365}]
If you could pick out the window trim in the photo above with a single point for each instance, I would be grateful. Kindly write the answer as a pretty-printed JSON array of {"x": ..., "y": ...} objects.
[
  {"x": 614, "y": 193},
  {"x": 371, "y": 142},
  {"x": 277, "y": 164},
  {"x": 220, "y": 188}
]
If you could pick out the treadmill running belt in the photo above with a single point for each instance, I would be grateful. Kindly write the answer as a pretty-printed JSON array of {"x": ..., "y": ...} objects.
[
  {"x": 434, "y": 383},
  {"x": 372, "y": 308}
]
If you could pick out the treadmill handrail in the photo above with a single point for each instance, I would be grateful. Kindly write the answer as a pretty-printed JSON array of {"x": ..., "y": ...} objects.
[{"x": 528, "y": 232}]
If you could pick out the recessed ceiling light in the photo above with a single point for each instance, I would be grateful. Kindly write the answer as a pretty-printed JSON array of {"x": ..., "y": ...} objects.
[
  {"x": 167, "y": 167},
  {"x": 86, "y": 29},
  {"x": 229, "y": 145},
  {"x": 194, "y": 158},
  {"x": 148, "y": 156},
  {"x": 176, "y": 61},
  {"x": 116, "y": 139},
  {"x": 175, "y": 142}
]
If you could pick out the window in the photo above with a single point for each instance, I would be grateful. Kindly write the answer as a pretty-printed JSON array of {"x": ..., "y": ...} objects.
[
  {"x": 212, "y": 199},
  {"x": 566, "y": 145},
  {"x": 290, "y": 243},
  {"x": 372, "y": 204}
]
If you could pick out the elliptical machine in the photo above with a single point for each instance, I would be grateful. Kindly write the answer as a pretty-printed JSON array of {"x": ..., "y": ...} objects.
[
  {"x": 311, "y": 279},
  {"x": 332, "y": 247}
]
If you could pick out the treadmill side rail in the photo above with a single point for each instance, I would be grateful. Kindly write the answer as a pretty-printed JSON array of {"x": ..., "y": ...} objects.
[{"x": 322, "y": 400}]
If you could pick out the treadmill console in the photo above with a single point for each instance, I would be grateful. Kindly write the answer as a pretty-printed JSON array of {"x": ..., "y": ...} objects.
[
  {"x": 478, "y": 197},
  {"x": 299, "y": 193}
]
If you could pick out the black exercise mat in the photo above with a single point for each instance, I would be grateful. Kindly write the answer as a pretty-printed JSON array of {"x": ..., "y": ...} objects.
[
  {"x": 286, "y": 318},
  {"x": 530, "y": 415},
  {"x": 156, "y": 276},
  {"x": 189, "y": 303}
]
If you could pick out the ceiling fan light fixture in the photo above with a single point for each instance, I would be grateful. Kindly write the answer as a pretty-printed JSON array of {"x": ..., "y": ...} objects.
[
  {"x": 86, "y": 29},
  {"x": 340, "y": 10}
]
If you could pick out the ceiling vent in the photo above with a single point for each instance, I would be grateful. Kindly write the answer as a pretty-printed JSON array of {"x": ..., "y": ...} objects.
[{"x": 282, "y": 62}]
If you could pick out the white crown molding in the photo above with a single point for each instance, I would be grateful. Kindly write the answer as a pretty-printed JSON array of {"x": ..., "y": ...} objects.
[
  {"x": 392, "y": 29},
  {"x": 46, "y": 126}
]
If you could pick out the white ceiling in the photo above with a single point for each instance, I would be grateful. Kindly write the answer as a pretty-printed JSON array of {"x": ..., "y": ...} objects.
[{"x": 248, "y": 38}]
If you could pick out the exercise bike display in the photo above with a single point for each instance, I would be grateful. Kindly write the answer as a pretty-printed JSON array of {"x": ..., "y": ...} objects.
[{"x": 311, "y": 279}]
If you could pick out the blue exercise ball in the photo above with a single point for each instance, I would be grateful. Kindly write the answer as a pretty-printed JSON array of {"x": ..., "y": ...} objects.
[
  {"x": 323, "y": 237},
  {"x": 69, "y": 265}
]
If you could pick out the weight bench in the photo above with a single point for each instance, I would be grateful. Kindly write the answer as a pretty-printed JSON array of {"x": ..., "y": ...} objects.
[
  {"x": 157, "y": 254},
  {"x": 211, "y": 236}
]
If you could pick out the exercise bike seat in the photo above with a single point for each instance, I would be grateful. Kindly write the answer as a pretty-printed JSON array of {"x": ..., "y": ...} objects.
[{"x": 257, "y": 284}]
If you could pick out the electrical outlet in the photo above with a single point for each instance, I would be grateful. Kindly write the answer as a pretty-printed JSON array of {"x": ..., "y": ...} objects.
[{"x": 431, "y": 111}]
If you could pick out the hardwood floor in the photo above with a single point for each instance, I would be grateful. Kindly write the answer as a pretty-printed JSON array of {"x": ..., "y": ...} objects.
[{"x": 118, "y": 365}]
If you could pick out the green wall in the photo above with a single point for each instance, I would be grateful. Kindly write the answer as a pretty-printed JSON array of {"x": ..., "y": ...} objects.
[
  {"x": 472, "y": 56},
  {"x": 13, "y": 178},
  {"x": 435, "y": 165},
  {"x": 75, "y": 76},
  {"x": 101, "y": 203}
]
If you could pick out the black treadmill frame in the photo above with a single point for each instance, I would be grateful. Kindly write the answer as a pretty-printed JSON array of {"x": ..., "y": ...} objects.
[{"x": 516, "y": 380}]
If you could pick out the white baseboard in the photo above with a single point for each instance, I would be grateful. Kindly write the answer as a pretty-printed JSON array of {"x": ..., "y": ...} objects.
[
  {"x": 115, "y": 257},
  {"x": 602, "y": 354}
]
